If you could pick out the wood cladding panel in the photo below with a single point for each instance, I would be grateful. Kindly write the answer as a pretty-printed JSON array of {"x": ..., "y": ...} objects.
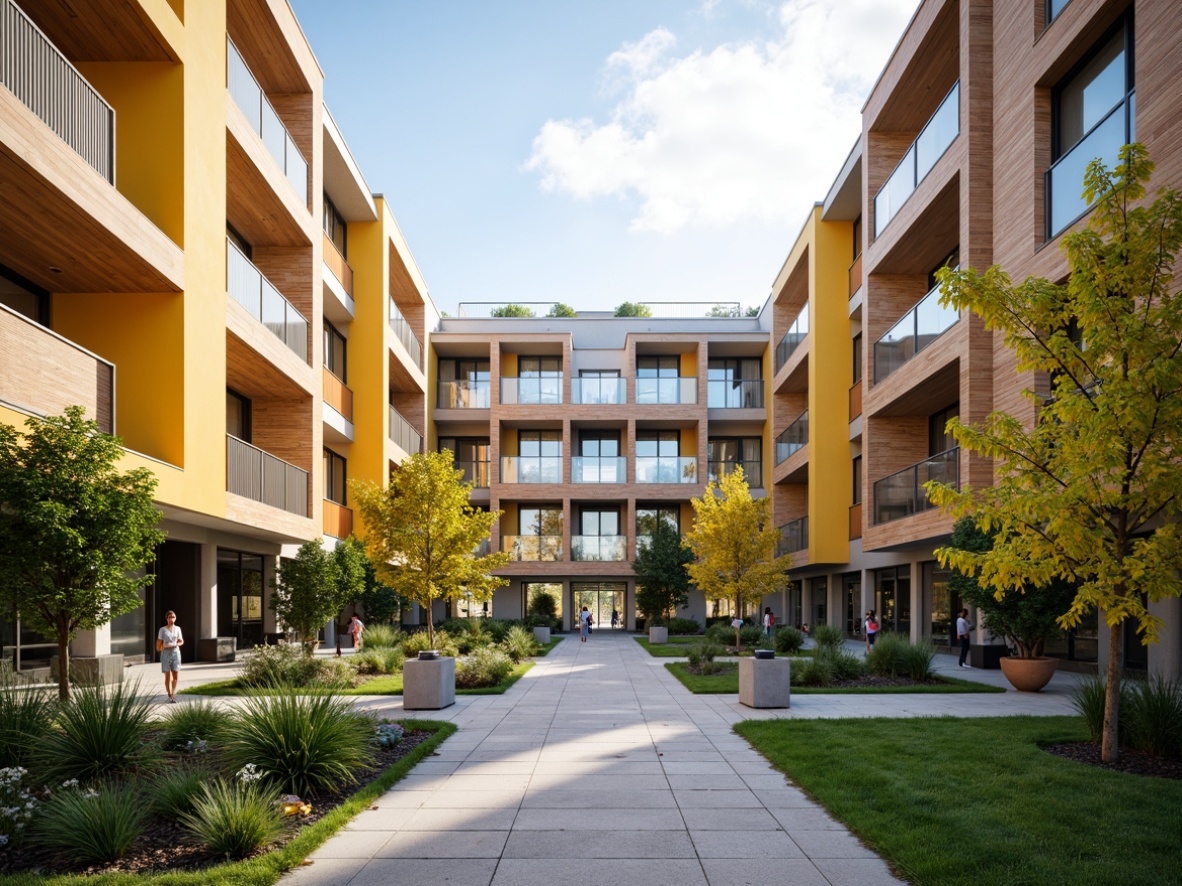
[
  {"x": 269, "y": 38},
  {"x": 99, "y": 30}
]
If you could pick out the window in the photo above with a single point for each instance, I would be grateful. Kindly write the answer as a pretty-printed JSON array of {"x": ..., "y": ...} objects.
[
  {"x": 599, "y": 386},
  {"x": 727, "y": 453},
  {"x": 1092, "y": 117},
  {"x": 335, "y": 477},
  {"x": 647, "y": 520},
  {"x": 539, "y": 533},
  {"x": 657, "y": 444},
  {"x": 1054, "y": 7},
  {"x": 657, "y": 379},
  {"x": 857, "y": 358},
  {"x": 335, "y": 227},
  {"x": 734, "y": 383},
  {"x": 940, "y": 440},
  {"x": 238, "y": 240},
  {"x": 539, "y": 381},
  {"x": 471, "y": 456},
  {"x": 951, "y": 260},
  {"x": 238, "y": 416},
  {"x": 334, "y": 352},
  {"x": 24, "y": 297},
  {"x": 857, "y": 478},
  {"x": 658, "y": 458},
  {"x": 857, "y": 237},
  {"x": 540, "y": 460},
  {"x": 599, "y": 444},
  {"x": 464, "y": 383}
]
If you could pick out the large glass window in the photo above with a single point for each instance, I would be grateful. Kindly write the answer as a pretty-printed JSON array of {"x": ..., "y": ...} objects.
[
  {"x": 657, "y": 379},
  {"x": 24, "y": 297},
  {"x": 335, "y": 227},
  {"x": 334, "y": 352},
  {"x": 539, "y": 533},
  {"x": 727, "y": 453},
  {"x": 472, "y": 456},
  {"x": 240, "y": 597},
  {"x": 237, "y": 415},
  {"x": 599, "y": 537},
  {"x": 658, "y": 458},
  {"x": 734, "y": 383},
  {"x": 464, "y": 383},
  {"x": 939, "y": 440},
  {"x": 540, "y": 460},
  {"x": 599, "y": 458},
  {"x": 539, "y": 381},
  {"x": 892, "y": 594},
  {"x": 335, "y": 477}
]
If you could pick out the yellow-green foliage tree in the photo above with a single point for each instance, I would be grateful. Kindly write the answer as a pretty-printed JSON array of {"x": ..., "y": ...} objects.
[
  {"x": 734, "y": 545},
  {"x": 421, "y": 533},
  {"x": 1090, "y": 491}
]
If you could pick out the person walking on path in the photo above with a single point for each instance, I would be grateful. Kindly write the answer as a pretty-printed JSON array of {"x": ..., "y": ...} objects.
[
  {"x": 871, "y": 630},
  {"x": 584, "y": 624},
  {"x": 962, "y": 634},
  {"x": 169, "y": 640},
  {"x": 356, "y": 627},
  {"x": 769, "y": 621}
]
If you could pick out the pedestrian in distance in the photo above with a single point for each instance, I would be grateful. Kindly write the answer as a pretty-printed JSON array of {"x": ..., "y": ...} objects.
[
  {"x": 584, "y": 624},
  {"x": 871, "y": 629},
  {"x": 769, "y": 621},
  {"x": 356, "y": 628},
  {"x": 962, "y": 635},
  {"x": 169, "y": 640}
]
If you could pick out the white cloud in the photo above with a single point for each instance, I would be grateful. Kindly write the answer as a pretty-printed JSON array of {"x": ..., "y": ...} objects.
[{"x": 746, "y": 130}]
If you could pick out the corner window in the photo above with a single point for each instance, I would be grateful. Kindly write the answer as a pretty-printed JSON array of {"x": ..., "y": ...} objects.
[{"x": 335, "y": 227}]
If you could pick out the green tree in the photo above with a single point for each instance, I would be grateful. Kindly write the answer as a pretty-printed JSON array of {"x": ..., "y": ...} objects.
[
  {"x": 752, "y": 311},
  {"x": 1088, "y": 492},
  {"x": 734, "y": 544},
  {"x": 380, "y": 601},
  {"x": 311, "y": 588},
  {"x": 662, "y": 583},
  {"x": 633, "y": 309},
  {"x": 512, "y": 310},
  {"x": 75, "y": 533},
  {"x": 723, "y": 310},
  {"x": 422, "y": 533},
  {"x": 558, "y": 309}
]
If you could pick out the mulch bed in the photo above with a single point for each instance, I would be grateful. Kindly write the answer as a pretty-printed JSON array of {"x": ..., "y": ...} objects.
[
  {"x": 1129, "y": 762},
  {"x": 164, "y": 846}
]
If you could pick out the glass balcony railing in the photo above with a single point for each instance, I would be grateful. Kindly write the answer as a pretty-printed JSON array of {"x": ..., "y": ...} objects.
[
  {"x": 477, "y": 473},
  {"x": 405, "y": 335},
  {"x": 796, "y": 334},
  {"x": 36, "y": 72},
  {"x": 742, "y": 393},
  {"x": 532, "y": 547},
  {"x": 531, "y": 469},
  {"x": 599, "y": 391},
  {"x": 666, "y": 469},
  {"x": 902, "y": 493},
  {"x": 249, "y": 97},
  {"x": 247, "y": 286},
  {"x": 606, "y": 548},
  {"x": 260, "y": 476},
  {"x": 598, "y": 469},
  {"x": 752, "y": 471},
  {"x": 914, "y": 331},
  {"x": 793, "y": 438},
  {"x": 464, "y": 394},
  {"x": 1064, "y": 180},
  {"x": 794, "y": 537},
  {"x": 403, "y": 433},
  {"x": 666, "y": 390},
  {"x": 526, "y": 391},
  {"x": 935, "y": 138}
]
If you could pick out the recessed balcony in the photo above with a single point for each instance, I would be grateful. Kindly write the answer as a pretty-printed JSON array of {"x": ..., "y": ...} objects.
[
  {"x": 739, "y": 393},
  {"x": 531, "y": 469},
  {"x": 914, "y": 331},
  {"x": 247, "y": 286},
  {"x": 666, "y": 469},
  {"x": 902, "y": 494},
  {"x": 598, "y": 469},
  {"x": 794, "y": 537},
  {"x": 532, "y": 547},
  {"x": 405, "y": 336},
  {"x": 260, "y": 476},
  {"x": 667, "y": 391},
  {"x": 599, "y": 391},
  {"x": 793, "y": 438},
  {"x": 599, "y": 548},
  {"x": 752, "y": 471},
  {"x": 464, "y": 394},
  {"x": 530, "y": 391},
  {"x": 793, "y": 338},
  {"x": 403, "y": 434}
]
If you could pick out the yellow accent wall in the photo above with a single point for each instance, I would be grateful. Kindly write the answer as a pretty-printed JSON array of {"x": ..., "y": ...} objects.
[
  {"x": 510, "y": 442},
  {"x": 689, "y": 364},
  {"x": 508, "y": 365}
]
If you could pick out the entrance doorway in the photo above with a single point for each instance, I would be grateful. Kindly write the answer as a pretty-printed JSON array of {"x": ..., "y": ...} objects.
[
  {"x": 852, "y": 587},
  {"x": 601, "y": 598},
  {"x": 240, "y": 597}
]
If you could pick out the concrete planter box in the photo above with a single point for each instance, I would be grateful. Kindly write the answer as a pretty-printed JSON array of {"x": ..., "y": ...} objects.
[
  {"x": 91, "y": 669},
  {"x": 542, "y": 635},
  {"x": 764, "y": 683},
  {"x": 217, "y": 648},
  {"x": 428, "y": 685},
  {"x": 658, "y": 635}
]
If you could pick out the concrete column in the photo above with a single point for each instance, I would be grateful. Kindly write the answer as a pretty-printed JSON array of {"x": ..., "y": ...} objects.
[
  {"x": 207, "y": 604},
  {"x": 88, "y": 644},
  {"x": 1165, "y": 656},
  {"x": 917, "y": 610}
]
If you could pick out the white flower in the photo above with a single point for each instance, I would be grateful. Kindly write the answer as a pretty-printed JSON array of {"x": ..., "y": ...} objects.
[{"x": 3, "y": 840}]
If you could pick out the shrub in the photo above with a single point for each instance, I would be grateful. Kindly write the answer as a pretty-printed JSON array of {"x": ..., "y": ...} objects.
[
  {"x": 815, "y": 671},
  {"x": 93, "y": 827},
  {"x": 101, "y": 732},
  {"x": 301, "y": 743},
  {"x": 788, "y": 640},
  {"x": 189, "y": 724},
  {"x": 1088, "y": 700},
  {"x": 720, "y": 633},
  {"x": 915, "y": 660},
  {"x": 381, "y": 637},
  {"x": 1152, "y": 717},
  {"x": 382, "y": 660},
  {"x": 17, "y": 806},
  {"x": 885, "y": 658},
  {"x": 846, "y": 666},
  {"x": 388, "y": 734},
  {"x": 420, "y": 640},
  {"x": 683, "y": 626},
  {"x": 235, "y": 820},
  {"x": 750, "y": 635},
  {"x": 26, "y": 718},
  {"x": 520, "y": 643},
  {"x": 828, "y": 636},
  {"x": 287, "y": 664},
  {"x": 701, "y": 657},
  {"x": 484, "y": 667},
  {"x": 175, "y": 789}
]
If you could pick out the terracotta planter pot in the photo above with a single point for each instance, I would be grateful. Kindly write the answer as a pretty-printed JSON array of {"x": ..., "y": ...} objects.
[{"x": 1029, "y": 674}]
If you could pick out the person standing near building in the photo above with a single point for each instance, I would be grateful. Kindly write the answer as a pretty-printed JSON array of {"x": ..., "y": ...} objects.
[
  {"x": 769, "y": 621},
  {"x": 584, "y": 624},
  {"x": 871, "y": 630},
  {"x": 356, "y": 628},
  {"x": 169, "y": 640},
  {"x": 962, "y": 634}
]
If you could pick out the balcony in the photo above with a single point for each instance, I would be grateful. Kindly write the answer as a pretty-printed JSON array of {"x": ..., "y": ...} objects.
[
  {"x": 598, "y": 469},
  {"x": 260, "y": 476},
  {"x": 794, "y": 537},
  {"x": 793, "y": 438},
  {"x": 249, "y": 97},
  {"x": 739, "y": 393},
  {"x": 752, "y": 471},
  {"x": 531, "y": 469},
  {"x": 599, "y": 391},
  {"x": 1064, "y": 180},
  {"x": 336, "y": 263},
  {"x": 796, "y": 334},
  {"x": 528, "y": 391},
  {"x": 902, "y": 493},
  {"x": 337, "y": 394},
  {"x": 247, "y": 286},
  {"x": 406, "y": 336},
  {"x": 917, "y": 329},
  {"x": 532, "y": 547},
  {"x": 855, "y": 399},
  {"x": 403, "y": 434},
  {"x": 662, "y": 391},
  {"x": 599, "y": 548},
  {"x": 856, "y": 276},
  {"x": 338, "y": 520},
  {"x": 855, "y": 521},
  {"x": 666, "y": 469},
  {"x": 464, "y": 394},
  {"x": 934, "y": 139},
  {"x": 37, "y": 73},
  {"x": 476, "y": 472}
]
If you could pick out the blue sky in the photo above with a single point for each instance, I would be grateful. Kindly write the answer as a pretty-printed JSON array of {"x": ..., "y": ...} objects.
[{"x": 600, "y": 152}]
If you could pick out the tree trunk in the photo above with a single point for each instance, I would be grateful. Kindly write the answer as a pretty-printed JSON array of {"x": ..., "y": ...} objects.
[
  {"x": 63, "y": 663},
  {"x": 739, "y": 615},
  {"x": 1110, "y": 742}
]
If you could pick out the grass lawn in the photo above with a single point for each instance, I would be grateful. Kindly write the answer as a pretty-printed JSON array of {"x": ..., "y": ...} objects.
[
  {"x": 951, "y": 801},
  {"x": 264, "y": 869},
  {"x": 554, "y": 641},
  {"x": 675, "y": 648},
  {"x": 728, "y": 682},
  {"x": 386, "y": 684}
]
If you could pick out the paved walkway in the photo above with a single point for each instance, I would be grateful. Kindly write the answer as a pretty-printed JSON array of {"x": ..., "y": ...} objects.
[{"x": 598, "y": 767}]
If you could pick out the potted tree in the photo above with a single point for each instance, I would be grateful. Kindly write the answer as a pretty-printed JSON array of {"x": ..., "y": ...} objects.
[{"x": 1026, "y": 618}]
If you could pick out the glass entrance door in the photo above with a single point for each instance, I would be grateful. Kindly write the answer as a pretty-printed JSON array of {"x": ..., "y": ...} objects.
[
  {"x": 240, "y": 597},
  {"x": 601, "y": 598}
]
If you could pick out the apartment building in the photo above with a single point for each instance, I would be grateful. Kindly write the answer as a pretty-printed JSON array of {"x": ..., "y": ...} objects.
[{"x": 188, "y": 249}]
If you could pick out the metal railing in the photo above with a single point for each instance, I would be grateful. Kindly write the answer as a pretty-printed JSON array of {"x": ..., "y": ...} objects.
[
  {"x": 794, "y": 536},
  {"x": 532, "y": 547},
  {"x": 599, "y": 391},
  {"x": 607, "y": 548},
  {"x": 531, "y": 469},
  {"x": 260, "y": 476},
  {"x": 796, "y": 334},
  {"x": 914, "y": 331},
  {"x": 752, "y": 471},
  {"x": 902, "y": 494},
  {"x": 683, "y": 389},
  {"x": 739, "y": 393},
  {"x": 403, "y": 433},
  {"x": 476, "y": 472},
  {"x": 464, "y": 394},
  {"x": 247, "y": 286},
  {"x": 933, "y": 140},
  {"x": 37, "y": 73},
  {"x": 249, "y": 97},
  {"x": 598, "y": 469},
  {"x": 405, "y": 334},
  {"x": 530, "y": 391},
  {"x": 666, "y": 469},
  {"x": 793, "y": 438}
]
